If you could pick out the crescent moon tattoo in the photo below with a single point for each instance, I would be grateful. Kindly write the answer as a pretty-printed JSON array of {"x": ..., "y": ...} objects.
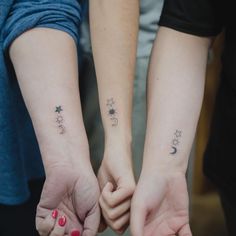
[{"x": 174, "y": 150}]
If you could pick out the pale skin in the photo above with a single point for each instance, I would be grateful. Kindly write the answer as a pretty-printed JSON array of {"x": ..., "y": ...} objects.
[
  {"x": 45, "y": 61},
  {"x": 175, "y": 91},
  {"x": 114, "y": 42}
]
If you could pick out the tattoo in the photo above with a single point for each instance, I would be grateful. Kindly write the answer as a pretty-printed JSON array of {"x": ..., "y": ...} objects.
[
  {"x": 60, "y": 119},
  {"x": 112, "y": 111},
  {"x": 58, "y": 109},
  {"x": 175, "y": 142}
]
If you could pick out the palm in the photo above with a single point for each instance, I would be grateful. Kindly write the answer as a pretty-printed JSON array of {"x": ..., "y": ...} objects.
[
  {"x": 73, "y": 194},
  {"x": 167, "y": 205}
]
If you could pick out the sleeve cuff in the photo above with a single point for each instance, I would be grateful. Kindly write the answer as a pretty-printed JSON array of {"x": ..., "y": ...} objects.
[
  {"x": 25, "y": 15},
  {"x": 188, "y": 28}
]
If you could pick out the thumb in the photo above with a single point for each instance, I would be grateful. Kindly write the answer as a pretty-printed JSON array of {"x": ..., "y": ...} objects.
[
  {"x": 108, "y": 187},
  {"x": 138, "y": 217},
  {"x": 92, "y": 221}
]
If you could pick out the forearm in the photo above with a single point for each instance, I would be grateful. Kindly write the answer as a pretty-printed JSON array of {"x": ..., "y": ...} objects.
[
  {"x": 114, "y": 27},
  {"x": 45, "y": 62},
  {"x": 175, "y": 92}
]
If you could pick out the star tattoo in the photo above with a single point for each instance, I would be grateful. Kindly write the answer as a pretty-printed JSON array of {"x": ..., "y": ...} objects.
[
  {"x": 58, "y": 109},
  {"x": 178, "y": 133},
  {"x": 175, "y": 142},
  {"x": 110, "y": 102},
  {"x": 59, "y": 119}
]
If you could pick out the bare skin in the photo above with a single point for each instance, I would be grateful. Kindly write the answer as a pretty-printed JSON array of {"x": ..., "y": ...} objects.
[
  {"x": 175, "y": 92},
  {"x": 114, "y": 31},
  {"x": 48, "y": 79}
]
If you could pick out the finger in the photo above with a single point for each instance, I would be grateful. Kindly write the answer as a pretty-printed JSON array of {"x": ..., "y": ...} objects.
[
  {"x": 113, "y": 198},
  {"x": 123, "y": 229},
  {"x": 118, "y": 225},
  {"x": 185, "y": 231},
  {"x": 75, "y": 233},
  {"x": 45, "y": 226},
  {"x": 60, "y": 227},
  {"x": 118, "y": 211},
  {"x": 92, "y": 221},
  {"x": 138, "y": 217}
]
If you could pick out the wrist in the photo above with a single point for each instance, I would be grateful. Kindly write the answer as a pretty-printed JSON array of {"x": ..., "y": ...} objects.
[
  {"x": 163, "y": 162},
  {"x": 118, "y": 148},
  {"x": 65, "y": 155},
  {"x": 120, "y": 142}
]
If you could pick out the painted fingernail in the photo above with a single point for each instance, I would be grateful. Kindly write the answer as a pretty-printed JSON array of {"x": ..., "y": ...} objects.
[
  {"x": 54, "y": 214},
  {"x": 75, "y": 233},
  {"x": 62, "y": 221}
]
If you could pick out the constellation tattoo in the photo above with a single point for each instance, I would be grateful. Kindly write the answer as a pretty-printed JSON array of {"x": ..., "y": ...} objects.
[
  {"x": 175, "y": 141},
  {"x": 112, "y": 112},
  {"x": 60, "y": 119}
]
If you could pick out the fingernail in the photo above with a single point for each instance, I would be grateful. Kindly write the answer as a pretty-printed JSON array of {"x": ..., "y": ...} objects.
[
  {"x": 54, "y": 214},
  {"x": 75, "y": 233},
  {"x": 62, "y": 221}
]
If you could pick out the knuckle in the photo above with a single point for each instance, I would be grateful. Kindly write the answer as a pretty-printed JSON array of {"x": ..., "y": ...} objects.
[
  {"x": 112, "y": 215},
  {"x": 111, "y": 202}
]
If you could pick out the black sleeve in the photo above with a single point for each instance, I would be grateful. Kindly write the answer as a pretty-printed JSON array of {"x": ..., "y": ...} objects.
[{"x": 197, "y": 17}]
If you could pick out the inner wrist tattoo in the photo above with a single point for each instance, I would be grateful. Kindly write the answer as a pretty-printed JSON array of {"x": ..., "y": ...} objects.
[
  {"x": 112, "y": 112},
  {"x": 60, "y": 119},
  {"x": 175, "y": 142}
]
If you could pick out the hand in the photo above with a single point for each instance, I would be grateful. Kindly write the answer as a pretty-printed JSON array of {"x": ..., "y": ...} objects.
[
  {"x": 69, "y": 202},
  {"x": 160, "y": 205},
  {"x": 116, "y": 181}
]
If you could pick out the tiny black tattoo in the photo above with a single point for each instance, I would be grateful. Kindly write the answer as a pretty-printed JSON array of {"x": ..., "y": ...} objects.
[
  {"x": 175, "y": 142},
  {"x": 58, "y": 109},
  {"x": 112, "y": 113},
  {"x": 60, "y": 119}
]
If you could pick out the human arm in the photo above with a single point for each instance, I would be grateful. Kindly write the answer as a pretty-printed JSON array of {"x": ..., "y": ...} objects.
[
  {"x": 114, "y": 26},
  {"x": 45, "y": 62},
  {"x": 175, "y": 91}
]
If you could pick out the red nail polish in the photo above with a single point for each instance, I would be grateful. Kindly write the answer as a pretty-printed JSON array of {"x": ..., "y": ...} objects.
[
  {"x": 62, "y": 221},
  {"x": 75, "y": 233},
  {"x": 54, "y": 214}
]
